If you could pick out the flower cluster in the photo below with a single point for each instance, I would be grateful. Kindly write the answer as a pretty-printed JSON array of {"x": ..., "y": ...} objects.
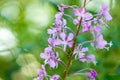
[{"x": 59, "y": 38}]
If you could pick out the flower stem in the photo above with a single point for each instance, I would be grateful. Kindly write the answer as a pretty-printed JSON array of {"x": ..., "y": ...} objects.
[{"x": 73, "y": 48}]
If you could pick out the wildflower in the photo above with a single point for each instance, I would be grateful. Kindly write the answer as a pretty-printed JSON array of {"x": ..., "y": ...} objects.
[
  {"x": 53, "y": 42},
  {"x": 82, "y": 13},
  {"x": 55, "y": 77},
  {"x": 92, "y": 74},
  {"x": 87, "y": 26},
  {"x": 50, "y": 57},
  {"x": 100, "y": 42},
  {"x": 66, "y": 40},
  {"x": 62, "y": 7},
  {"x": 42, "y": 73},
  {"x": 105, "y": 12}
]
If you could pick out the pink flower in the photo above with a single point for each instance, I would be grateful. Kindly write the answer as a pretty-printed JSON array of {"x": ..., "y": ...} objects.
[
  {"x": 55, "y": 77},
  {"x": 62, "y": 7},
  {"x": 53, "y": 42},
  {"x": 42, "y": 73},
  {"x": 87, "y": 26},
  {"x": 100, "y": 42},
  {"x": 105, "y": 12},
  {"x": 66, "y": 40},
  {"x": 82, "y": 13},
  {"x": 92, "y": 74},
  {"x": 51, "y": 58}
]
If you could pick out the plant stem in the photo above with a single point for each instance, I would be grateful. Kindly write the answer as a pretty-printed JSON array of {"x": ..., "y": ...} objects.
[{"x": 73, "y": 48}]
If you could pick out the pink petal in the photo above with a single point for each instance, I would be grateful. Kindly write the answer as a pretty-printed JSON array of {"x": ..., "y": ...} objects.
[
  {"x": 98, "y": 29},
  {"x": 88, "y": 16},
  {"x": 83, "y": 10},
  {"x": 44, "y": 55},
  {"x": 101, "y": 43},
  {"x": 70, "y": 44},
  {"x": 104, "y": 7},
  {"x": 58, "y": 16},
  {"x": 50, "y": 31},
  {"x": 50, "y": 40},
  {"x": 76, "y": 21},
  {"x": 57, "y": 42},
  {"x": 70, "y": 37},
  {"x": 76, "y": 12},
  {"x": 107, "y": 16},
  {"x": 84, "y": 50},
  {"x": 51, "y": 63},
  {"x": 63, "y": 36}
]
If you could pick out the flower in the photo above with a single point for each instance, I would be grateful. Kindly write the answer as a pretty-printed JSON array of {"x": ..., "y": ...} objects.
[
  {"x": 55, "y": 77},
  {"x": 42, "y": 73},
  {"x": 100, "y": 42},
  {"x": 50, "y": 57},
  {"x": 53, "y": 42},
  {"x": 62, "y": 7},
  {"x": 82, "y": 13},
  {"x": 87, "y": 26},
  {"x": 46, "y": 53},
  {"x": 105, "y": 12},
  {"x": 76, "y": 21},
  {"x": 66, "y": 40},
  {"x": 92, "y": 74},
  {"x": 58, "y": 16},
  {"x": 88, "y": 58},
  {"x": 54, "y": 60}
]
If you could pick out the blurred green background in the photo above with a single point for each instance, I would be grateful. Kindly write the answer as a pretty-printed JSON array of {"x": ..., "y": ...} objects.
[{"x": 23, "y": 26}]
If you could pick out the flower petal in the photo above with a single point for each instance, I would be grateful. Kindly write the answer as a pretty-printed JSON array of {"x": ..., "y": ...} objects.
[
  {"x": 70, "y": 44},
  {"x": 63, "y": 36},
  {"x": 101, "y": 43},
  {"x": 70, "y": 37},
  {"x": 76, "y": 21},
  {"x": 57, "y": 42},
  {"x": 107, "y": 16},
  {"x": 44, "y": 55},
  {"x": 88, "y": 16}
]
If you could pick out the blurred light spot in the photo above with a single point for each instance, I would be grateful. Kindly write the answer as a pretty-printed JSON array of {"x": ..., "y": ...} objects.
[
  {"x": 25, "y": 59},
  {"x": 18, "y": 76},
  {"x": 34, "y": 30},
  {"x": 10, "y": 10},
  {"x": 39, "y": 13},
  {"x": 30, "y": 69},
  {"x": 113, "y": 3},
  {"x": 7, "y": 55},
  {"x": 7, "y": 39},
  {"x": 1, "y": 79}
]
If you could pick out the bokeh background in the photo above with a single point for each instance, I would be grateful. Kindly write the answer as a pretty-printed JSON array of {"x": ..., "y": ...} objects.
[{"x": 23, "y": 36}]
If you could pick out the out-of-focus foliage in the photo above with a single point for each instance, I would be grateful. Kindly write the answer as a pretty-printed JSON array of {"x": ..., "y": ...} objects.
[{"x": 23, "y": 25}]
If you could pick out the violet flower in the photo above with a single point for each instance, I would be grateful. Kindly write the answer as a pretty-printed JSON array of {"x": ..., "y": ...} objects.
[
  {"x": 55, "y": 77},
  {"x": 42, "y": 74},
  {"x": 50, "y": 57},
  {"x": 92, "y": 74},
  {"x": 66, "y": 40},
  {"x": 53, "y": 42},
  {"x": 62, "y": 7},
  {"x": 88, "y": 58},
  {"x": 53, "y": 60},
  {"x": 100, "y": 42},
  {"x": 87, "y": 26},
  {"x": 82, "y": 13},
  {"x": 105, "y": 12}
]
